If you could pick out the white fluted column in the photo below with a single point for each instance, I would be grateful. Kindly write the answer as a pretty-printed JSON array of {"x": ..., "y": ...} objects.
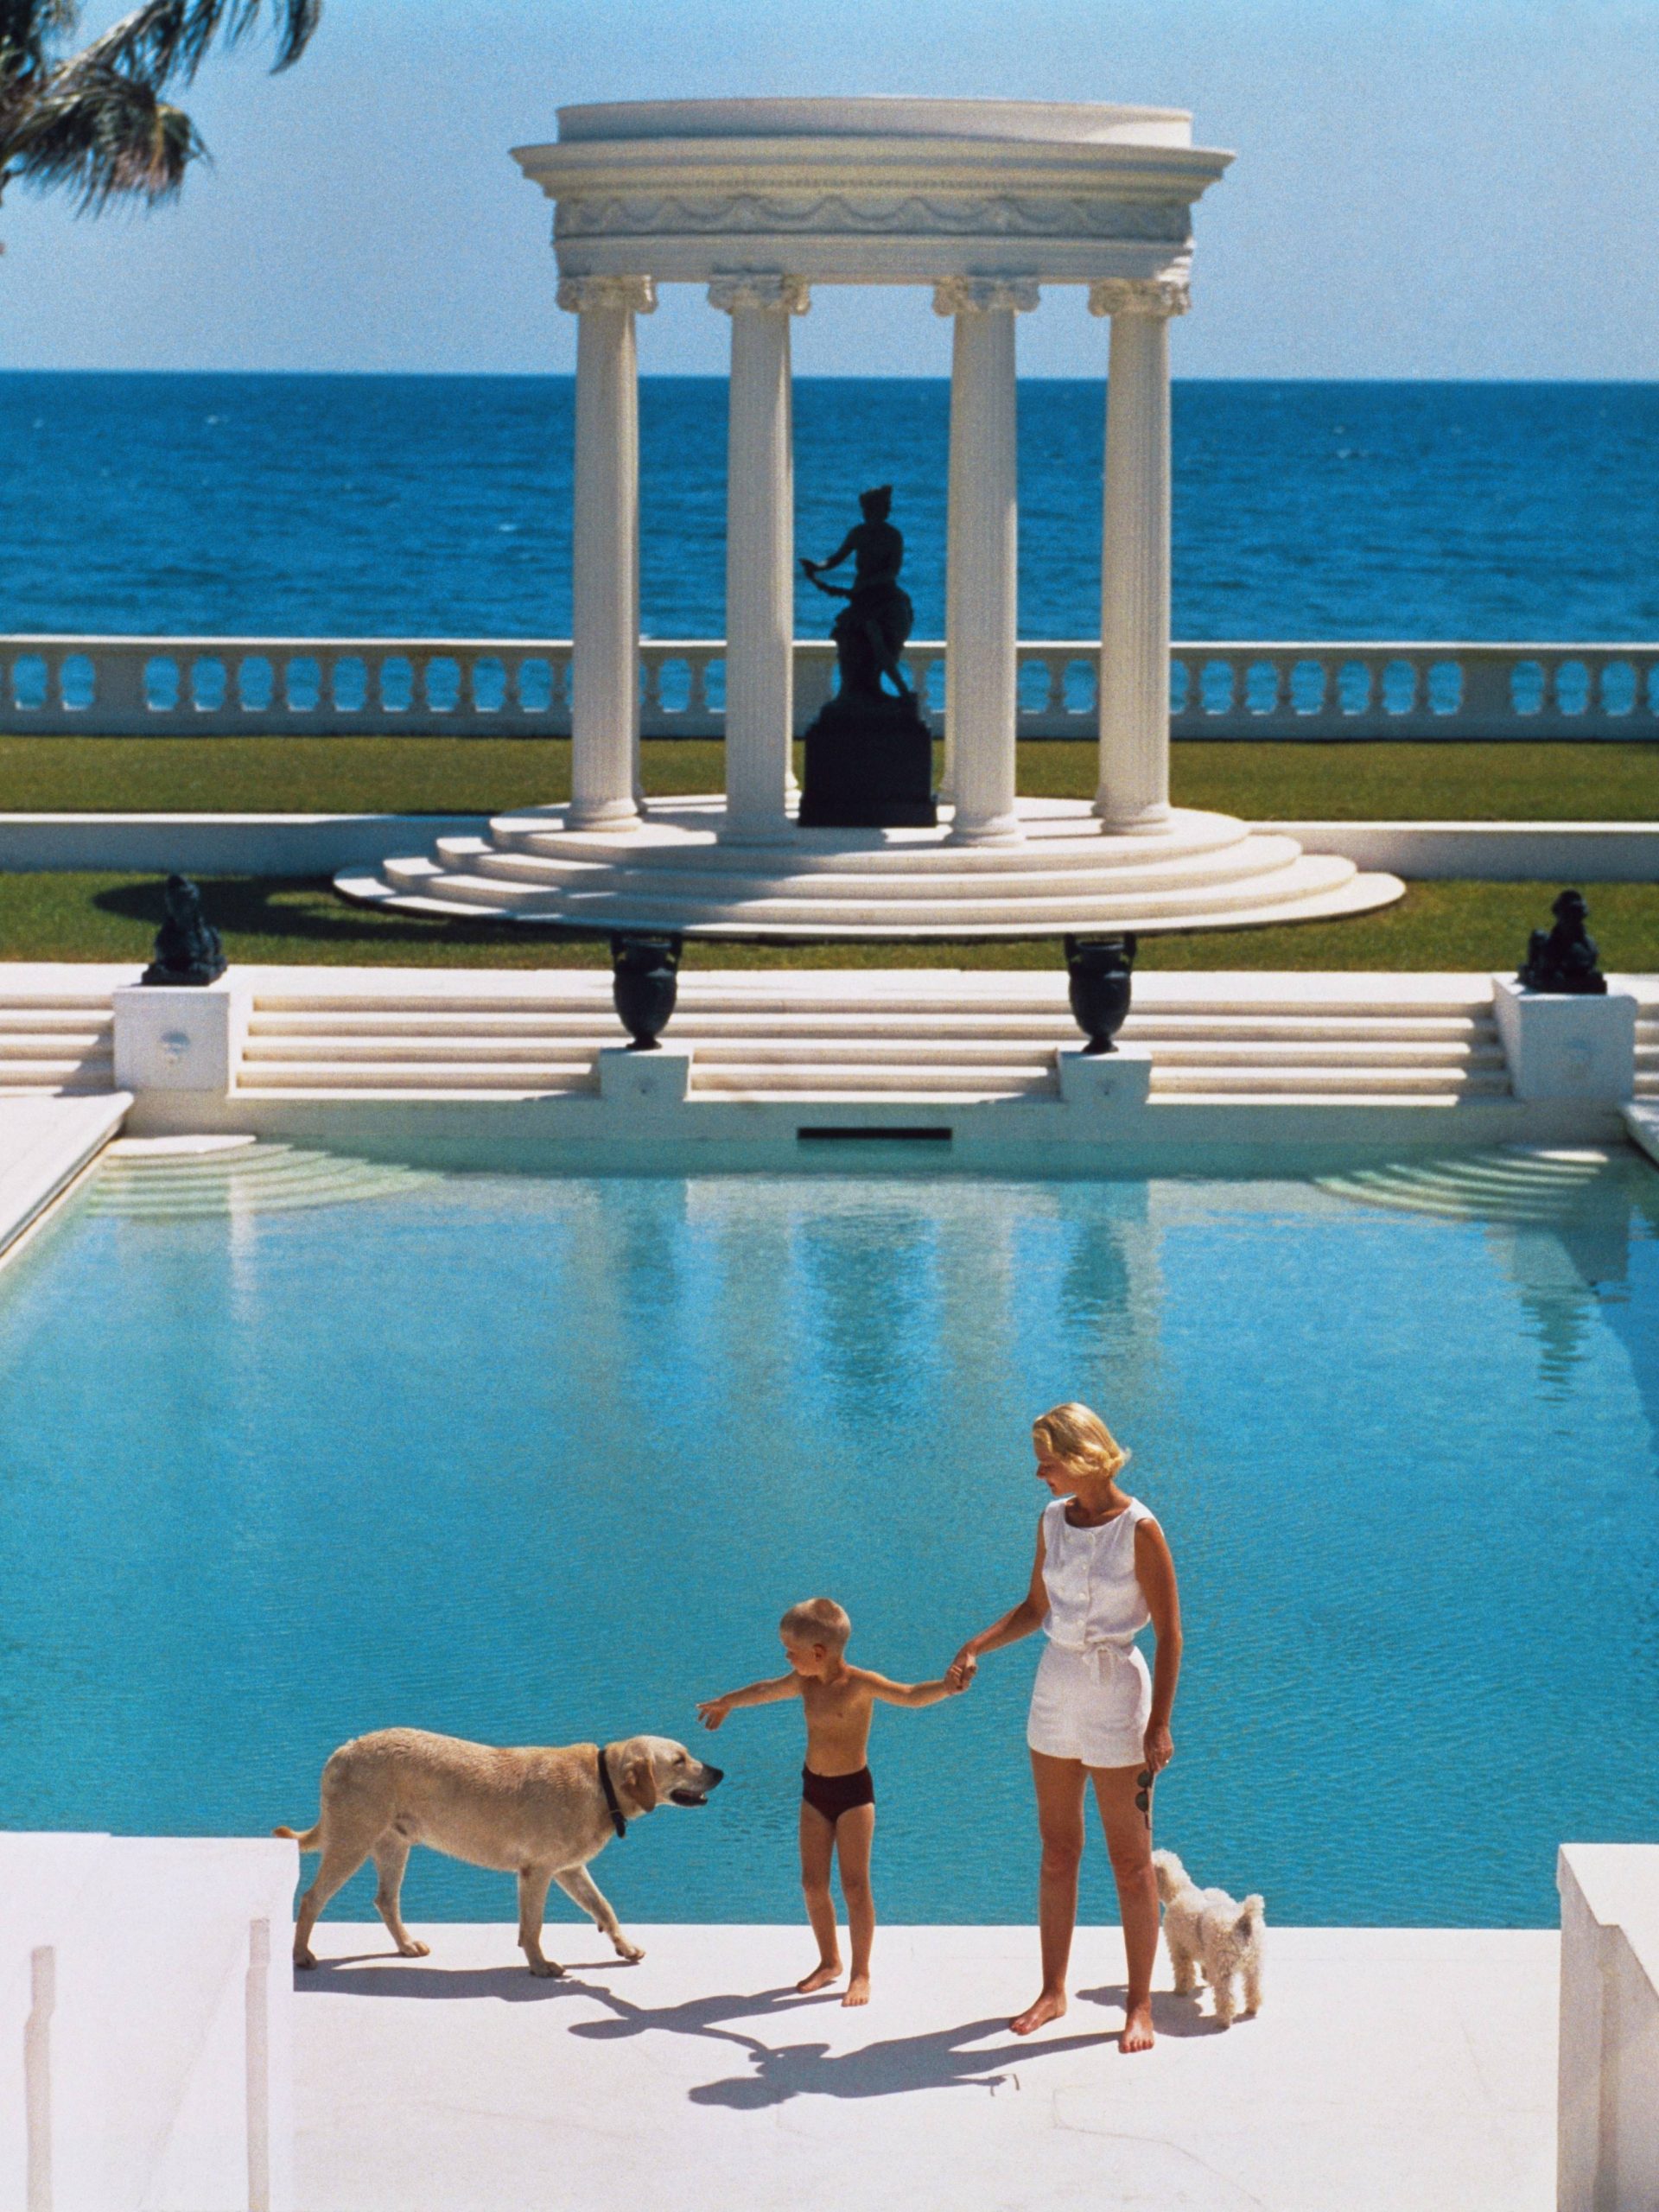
[
  {"x": 1134, "y": 793},
  {"x": 759, "y": 554},
  {"x": 982, "y": 553},
  {"x": 605, "y": 552}
]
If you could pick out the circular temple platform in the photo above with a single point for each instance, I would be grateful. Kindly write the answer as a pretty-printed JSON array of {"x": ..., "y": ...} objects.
[{"x": 677, "y": 872}]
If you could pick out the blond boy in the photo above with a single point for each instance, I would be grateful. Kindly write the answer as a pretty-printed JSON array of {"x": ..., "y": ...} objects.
[{"x": 837, "y": 1794}]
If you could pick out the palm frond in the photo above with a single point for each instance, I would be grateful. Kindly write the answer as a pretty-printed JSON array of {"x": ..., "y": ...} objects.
[
  {"x": 166, "y": 41},
  {"x": 28, "y": 30},
  {"x": 103, "y": 135}
]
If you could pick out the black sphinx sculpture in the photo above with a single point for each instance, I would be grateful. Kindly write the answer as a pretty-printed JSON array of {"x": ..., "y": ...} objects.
[
  {"x": 187, "y": 947},
  {"x": 869, "y": 754},
  {"x": 1564, "y": 958}
]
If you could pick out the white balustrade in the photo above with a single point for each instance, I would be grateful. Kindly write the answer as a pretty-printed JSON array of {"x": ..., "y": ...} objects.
[{"x": 484, "y": 687}]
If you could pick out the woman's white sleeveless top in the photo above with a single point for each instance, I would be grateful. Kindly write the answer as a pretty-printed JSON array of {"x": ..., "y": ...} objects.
[{"x": 1095, "y": 1596}]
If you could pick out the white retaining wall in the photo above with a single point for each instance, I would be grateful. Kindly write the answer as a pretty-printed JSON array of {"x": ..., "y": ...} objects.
[
  {"x": 145, "y": 2024},
  {"x": 321, "y": 844}
]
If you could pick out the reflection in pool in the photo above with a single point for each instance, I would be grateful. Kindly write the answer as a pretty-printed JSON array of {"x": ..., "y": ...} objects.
[{"x": 533, "y": 1460}]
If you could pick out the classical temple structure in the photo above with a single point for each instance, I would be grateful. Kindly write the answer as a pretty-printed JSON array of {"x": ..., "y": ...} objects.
[{"x": 987, "y": 202}]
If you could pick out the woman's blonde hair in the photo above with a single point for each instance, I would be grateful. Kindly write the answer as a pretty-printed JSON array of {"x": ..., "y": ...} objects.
[{"x": 1080, "y": 1440}]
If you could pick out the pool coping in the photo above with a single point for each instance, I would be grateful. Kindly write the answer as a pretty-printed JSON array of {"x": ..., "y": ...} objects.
[{"x": 46, "y": 1144}]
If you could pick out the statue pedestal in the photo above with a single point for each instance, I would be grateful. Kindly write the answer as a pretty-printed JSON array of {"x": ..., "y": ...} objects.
[
  {"x": 869, "y": 766},
  {"x": 1115, "y": 1081},
  {"x": 1562, "y": 1046},
  {"x": 175, "y": 1037}
]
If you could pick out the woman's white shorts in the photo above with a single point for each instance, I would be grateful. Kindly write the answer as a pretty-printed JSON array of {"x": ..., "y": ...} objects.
[{"x": 1092, "y": 1706}]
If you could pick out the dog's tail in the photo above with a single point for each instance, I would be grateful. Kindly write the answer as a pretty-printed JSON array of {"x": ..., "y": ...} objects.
[
  {"x": 1252, "y": 1913},
  {"x": 308, "y": 1841}
]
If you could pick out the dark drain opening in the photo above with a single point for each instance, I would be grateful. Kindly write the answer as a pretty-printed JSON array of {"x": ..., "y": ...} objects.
[{"x": 873, "y": 1137}]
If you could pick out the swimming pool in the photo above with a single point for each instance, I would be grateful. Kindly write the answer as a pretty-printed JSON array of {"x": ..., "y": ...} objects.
[{"x": 294, "y": 1446}]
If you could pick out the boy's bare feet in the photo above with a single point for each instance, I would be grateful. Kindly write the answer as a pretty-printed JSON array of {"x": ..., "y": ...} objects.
[
  {"x": 858, "y": 1990},
  {"x": 825, "y": 1972},
  {"x": 1051, "y": 2005},
  {"x": 1137, "y": 2029}
]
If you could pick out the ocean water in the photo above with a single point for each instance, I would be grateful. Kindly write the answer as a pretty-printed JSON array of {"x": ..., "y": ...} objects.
[
  {"x": 532, "y": 1460},
  {"x": 427, "y": 506}
]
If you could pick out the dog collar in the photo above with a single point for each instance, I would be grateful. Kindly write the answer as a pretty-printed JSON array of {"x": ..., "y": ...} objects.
[{"x": 605, "y": 1782}]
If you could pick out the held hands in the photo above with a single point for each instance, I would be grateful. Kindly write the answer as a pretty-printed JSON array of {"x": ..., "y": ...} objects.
[
  {"x": 711, "y": 1711},
  {"x": 961, "y": 1669}
]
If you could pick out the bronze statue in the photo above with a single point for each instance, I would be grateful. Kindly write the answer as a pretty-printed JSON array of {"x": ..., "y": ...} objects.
[
  {"x": 187, "y": 947},
  {"x": 869, "y": 753},
  {"x": 873, "y": 629},
  {"x": 1564, "y": 958}
]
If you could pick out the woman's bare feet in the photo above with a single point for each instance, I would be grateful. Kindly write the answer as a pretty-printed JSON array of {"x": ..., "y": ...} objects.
[
  {"x": 825, "y": 1972},
  {"x": 1137, "y": 2029},
  {"x": 858, "y": 1990},
  {"x": 1051, "y": 2005}
]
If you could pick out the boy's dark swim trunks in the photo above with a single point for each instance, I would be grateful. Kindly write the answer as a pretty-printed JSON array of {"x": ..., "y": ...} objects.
[{"x": 832, "y": 1794}]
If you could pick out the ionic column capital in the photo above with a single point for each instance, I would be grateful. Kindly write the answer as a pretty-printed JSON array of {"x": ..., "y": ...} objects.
[
  {"x": 1148, "y": 296},
  {"x": 778, "y": 295},
  {"x": 577, "y": 294},
  {"x": 985, "y": 295}
]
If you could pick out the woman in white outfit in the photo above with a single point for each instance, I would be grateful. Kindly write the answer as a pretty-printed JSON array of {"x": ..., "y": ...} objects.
[{"x": 1102, "y": 1572}]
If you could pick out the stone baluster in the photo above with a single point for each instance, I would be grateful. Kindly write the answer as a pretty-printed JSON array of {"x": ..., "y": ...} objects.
[
  {"x": 604, "y": 551},
  {"x": 760, "y": 553},
  {"x": 1134, "y": 794},
  {"x": 982, "y": 556}
]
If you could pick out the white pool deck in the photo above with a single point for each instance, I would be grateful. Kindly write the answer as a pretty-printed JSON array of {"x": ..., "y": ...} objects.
[
  {"x": 45, "y": 1145},
  {"x": 1387, "y": 2068}
]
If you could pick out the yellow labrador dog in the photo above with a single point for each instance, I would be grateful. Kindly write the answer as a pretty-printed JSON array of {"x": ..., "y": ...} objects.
[{"x": 540, "y": 1814}]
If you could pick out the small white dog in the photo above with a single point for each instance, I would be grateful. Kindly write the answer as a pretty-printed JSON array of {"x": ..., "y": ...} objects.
[{"x": 1211, "y": 1934}]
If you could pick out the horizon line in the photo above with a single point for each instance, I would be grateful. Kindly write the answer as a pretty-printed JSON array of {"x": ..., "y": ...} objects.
[{"x": 709, "y": 376}]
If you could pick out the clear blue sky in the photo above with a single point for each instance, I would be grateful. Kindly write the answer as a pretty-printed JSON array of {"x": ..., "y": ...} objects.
[{"x": 1423, "y": 188}]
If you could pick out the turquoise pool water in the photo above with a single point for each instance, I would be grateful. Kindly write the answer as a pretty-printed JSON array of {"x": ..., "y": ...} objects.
[{"x": 293, "y": 1448}]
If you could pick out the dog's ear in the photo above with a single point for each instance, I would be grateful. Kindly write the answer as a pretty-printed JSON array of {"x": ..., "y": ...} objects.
[{"x": 640, "y": 1781}]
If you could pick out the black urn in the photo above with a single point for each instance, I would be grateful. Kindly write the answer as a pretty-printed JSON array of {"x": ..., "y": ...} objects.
[
  {"x": 1101, "y": 969},
  {"x": 645, "y": 983}
]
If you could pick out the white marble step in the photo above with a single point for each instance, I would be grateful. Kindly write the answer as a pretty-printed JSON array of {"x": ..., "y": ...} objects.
[
  {"x": 1055, "y": 834},
  {"x": 858, "y": 1078},
  {"x": 675, "y": 871},
  {"x": 969, "y": 1051},
  {"x": 514, "y": 1078},
  {"x": 594, "y": 1020},
  {"x": 1234, "y": 863},
  {"x": 503, "y": 1051},
  {"x": 646, "y": 903},
  {"x": 78, "y": 1076},
  {"x": 1225, "y": 1082},
  {"x": 31, "y": 1044},
  {"x": 1356, "y": 894},
  {"x": 30, "y": 1020}
]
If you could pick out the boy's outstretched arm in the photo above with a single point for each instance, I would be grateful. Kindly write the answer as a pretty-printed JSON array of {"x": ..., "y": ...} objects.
[
  {"x": 711, "y": 1711},
  {"x": 911, "y": 1693}
]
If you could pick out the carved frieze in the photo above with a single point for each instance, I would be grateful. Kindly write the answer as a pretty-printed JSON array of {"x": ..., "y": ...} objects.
[{"x": 873, "y": 214}]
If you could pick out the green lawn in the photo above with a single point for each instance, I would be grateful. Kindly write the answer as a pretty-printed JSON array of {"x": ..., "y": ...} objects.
[
  {"x": 1459, "y": 925},
  {"x": 350, "y": 775}
]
